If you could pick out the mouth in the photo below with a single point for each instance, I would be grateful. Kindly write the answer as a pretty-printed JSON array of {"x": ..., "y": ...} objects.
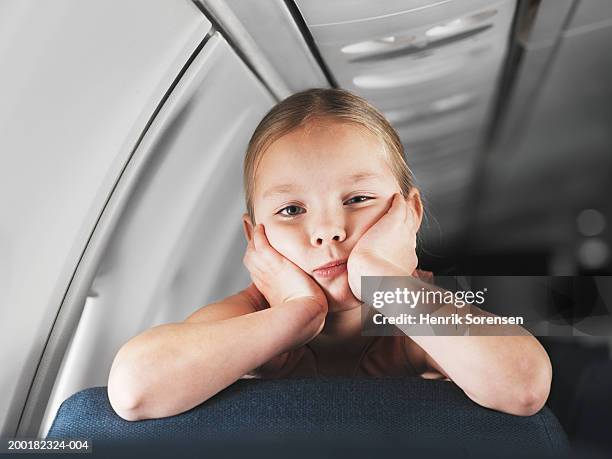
[{"x": 332, "y": 269}]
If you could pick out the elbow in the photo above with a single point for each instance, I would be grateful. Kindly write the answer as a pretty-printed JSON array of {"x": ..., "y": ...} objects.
[
  {"x": 123, "y": 403},
  {"x": 525, "y": 396},
  {"x": 531, "y": 395},
  {"x": 530, "y": 400},
  {"x": 122, "y": 394},
  {"x": 125, "y": 410},
  {"x": 525, "y": 400}
]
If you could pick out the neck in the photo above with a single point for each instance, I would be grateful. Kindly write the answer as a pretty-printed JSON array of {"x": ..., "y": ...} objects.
[{"x": 342, "y": 331}]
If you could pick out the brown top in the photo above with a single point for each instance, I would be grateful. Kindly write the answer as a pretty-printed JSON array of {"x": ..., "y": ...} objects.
[
  {"x": 383, "y": 356},
  {"x": 396, "y": 355}
]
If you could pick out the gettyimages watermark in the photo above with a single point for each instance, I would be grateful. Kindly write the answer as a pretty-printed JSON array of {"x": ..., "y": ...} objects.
[{"x": 487, "y": 305}]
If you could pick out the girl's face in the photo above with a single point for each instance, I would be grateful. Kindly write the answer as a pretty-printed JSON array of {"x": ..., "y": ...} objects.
[{"x": 317, "y": 190}]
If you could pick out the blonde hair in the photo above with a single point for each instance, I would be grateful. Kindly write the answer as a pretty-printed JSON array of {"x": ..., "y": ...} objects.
[{"x": 337, "y": 104}]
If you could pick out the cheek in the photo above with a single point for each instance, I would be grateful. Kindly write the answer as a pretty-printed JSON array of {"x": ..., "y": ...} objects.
[
  {"x": 368, "y": 218},
  {"x": 288, "y": 241}
]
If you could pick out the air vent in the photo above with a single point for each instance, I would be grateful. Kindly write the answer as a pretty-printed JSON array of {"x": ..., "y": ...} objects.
[
  {"x": 409, "y": 76},
  {"x": 460, "y": 25},
  {"x": 380, "y": 44},
  {"x": 440, "y": 107},
  {"x": 389, "y": 47}
]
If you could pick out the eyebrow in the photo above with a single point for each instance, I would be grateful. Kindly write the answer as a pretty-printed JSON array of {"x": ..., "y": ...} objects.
[{"x": 289, "y": 187}]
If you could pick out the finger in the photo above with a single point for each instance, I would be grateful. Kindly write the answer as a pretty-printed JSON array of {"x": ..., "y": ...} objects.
[
  {"x": 393, "y": 207},
  {"x": 409, "y": 213},
  {"x": 265, "y": 249},
  {"x": 406, "y": 208},
  {"x": 413, "y": 239},
  {"x": 263, "y": 242},
  {"x": 250, "y": 260},
  {"x": 250, "y": 245},
  {"x": 397, "y": 209},
  {"x": 413, "y": 219},
  {"x": 258, "y": 237}
]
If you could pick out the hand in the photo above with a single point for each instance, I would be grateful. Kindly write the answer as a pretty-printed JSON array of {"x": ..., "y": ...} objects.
[
  {"x": 387, "y": 248},
  {"x": 276, "y": 277}
]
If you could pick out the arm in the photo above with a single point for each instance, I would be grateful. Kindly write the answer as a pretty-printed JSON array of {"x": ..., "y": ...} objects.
[
  {"x": 510, "y": 373},
  {"x": 247, "y": 301},
  {"x": 171, "y": 368},
  {"x": 505, "y": 373}
]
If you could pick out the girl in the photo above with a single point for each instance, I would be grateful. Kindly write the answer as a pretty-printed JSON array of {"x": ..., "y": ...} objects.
[{"x": 329, "y": 199}]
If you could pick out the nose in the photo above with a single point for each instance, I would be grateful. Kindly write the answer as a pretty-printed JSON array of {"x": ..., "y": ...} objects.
[{"x": 328, "y": 231}]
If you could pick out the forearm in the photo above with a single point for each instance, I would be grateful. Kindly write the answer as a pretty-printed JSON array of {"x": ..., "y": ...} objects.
[
  {"x": 499, "y": 366},
  {"x": 171, "y": 368},
  {"x": 506, "y": 373}
]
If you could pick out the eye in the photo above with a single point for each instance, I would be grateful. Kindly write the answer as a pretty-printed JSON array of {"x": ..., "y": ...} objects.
[
  {"x": 290, "y": 209},
  {"x": 365, "y": 198}
]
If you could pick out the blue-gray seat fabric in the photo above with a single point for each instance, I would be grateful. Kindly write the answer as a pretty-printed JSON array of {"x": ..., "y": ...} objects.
[{"x": 419, "y": 411}]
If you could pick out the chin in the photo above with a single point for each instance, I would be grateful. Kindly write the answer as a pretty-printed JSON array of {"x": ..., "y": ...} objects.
[{"x": 339, "y": 295}]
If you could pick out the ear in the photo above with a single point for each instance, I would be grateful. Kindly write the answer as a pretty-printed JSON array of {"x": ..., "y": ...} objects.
[
  {"x": 414, "y": 200},
  {"x": 247, "y": 226}
]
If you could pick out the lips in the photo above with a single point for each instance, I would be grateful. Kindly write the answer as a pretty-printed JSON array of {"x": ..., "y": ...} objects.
[
  {"x": 331, "y": 264},
  {"x": 330, "y": 270}
]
